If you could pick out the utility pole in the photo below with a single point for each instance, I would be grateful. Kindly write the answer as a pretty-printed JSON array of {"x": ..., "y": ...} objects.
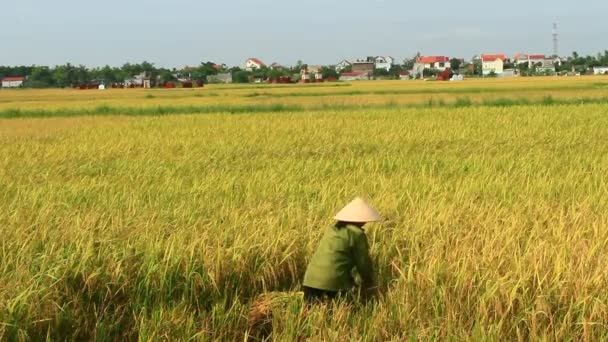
[{"x": 555, "y": 41}]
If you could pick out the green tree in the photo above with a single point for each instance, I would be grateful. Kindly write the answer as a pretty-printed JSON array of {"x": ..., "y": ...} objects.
[
  {"x": 381, "y": 72},
  {"x": 241, "y": 76},
  {"x": 63, "y": 75},
  {"x": 329, "y": 72},
  {"x": 455, "y": 64},
  {"x": 40, "y": 77}
]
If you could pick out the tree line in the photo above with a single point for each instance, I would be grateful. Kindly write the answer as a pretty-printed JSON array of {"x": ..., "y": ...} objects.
[{"x": 69, "y": 75}]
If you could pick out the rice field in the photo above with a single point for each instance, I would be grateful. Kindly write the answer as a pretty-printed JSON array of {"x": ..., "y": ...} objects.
[{"x": 166, "y": 214}]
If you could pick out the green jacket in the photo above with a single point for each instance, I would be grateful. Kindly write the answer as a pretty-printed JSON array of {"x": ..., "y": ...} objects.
[{"x": 343, "y": 248}]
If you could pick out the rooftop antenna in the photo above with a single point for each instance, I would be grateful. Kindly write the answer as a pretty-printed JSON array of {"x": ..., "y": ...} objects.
[{"x": 555, "y": 41}]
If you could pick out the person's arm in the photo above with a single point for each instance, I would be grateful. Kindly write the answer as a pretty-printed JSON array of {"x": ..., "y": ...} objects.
[{"x": 364, "y": 262}]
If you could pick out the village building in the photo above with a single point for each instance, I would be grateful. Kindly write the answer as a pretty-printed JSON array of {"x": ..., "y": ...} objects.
[
  {"x": 311, "y": 72},
  {"x": 364, "y": 66},
  {"x": 343, "y": 65},
  {"x": 601, "y": 70},
  {"x": 434, "y": 62},
  {"x": 13, "y": 82},
  {"x": 439, "y": 63},
  {"x": 314, "y": 69},
  {"x": 520, "y": 58},
  {"x": 536, "y": 60},
  {"x": 254, "y": 63},
  {"x": 137, "y": 80},
  {"x": 384, "y": 62},
  {"x": 493, "y": 64},
  {"x": 541, "y": 63},
  {"x": 276, "y": 66}
]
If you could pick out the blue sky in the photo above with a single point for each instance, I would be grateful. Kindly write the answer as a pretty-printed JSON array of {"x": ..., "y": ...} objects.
[{"x": 174, "y": 33}]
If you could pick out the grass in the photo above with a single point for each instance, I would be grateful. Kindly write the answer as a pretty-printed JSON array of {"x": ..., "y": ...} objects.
[
  {"x": 134, "y": 223},
  {"x": 107, "y": 110}
]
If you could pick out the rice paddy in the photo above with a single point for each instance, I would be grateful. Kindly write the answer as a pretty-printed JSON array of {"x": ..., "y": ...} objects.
[{"x": 168, "y": 214}]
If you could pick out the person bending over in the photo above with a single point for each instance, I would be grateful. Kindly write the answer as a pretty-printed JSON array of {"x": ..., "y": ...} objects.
[{"x": 342, "y": 249}]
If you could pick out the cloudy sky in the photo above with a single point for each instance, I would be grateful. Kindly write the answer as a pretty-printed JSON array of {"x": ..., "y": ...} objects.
[{"x": 174, "y": 33}]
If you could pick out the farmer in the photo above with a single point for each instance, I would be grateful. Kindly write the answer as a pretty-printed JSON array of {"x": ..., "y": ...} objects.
[{"x": 343, "y": 248}]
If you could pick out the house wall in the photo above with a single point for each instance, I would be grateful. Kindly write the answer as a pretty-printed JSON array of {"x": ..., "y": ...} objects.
[
  {"x": 387, "y": 66},
  {"x": 12, "y": 84},
  {"x": 496, "y": 66},
  {"x": 384, "y": 63},
  {"x": 600, "y": 70},
  {"x": 251, "y": 65},
  {"x": 363, "y": 66},
  {"x": 342, "y": 65},
  {"x": 437, "y": 65},
  {"x": 355, "y": 78},
  {"x": 532, "y": 62}
]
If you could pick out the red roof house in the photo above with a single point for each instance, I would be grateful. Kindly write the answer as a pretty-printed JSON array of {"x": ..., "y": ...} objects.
[
  {"x": 254, "y": 63},
  {"x": 433, "y": 59},
  {"x": 536, "y": 57},
  {"x": 431, "y": 62},
  {"x": 13, "y": 82},
  {"x": 493, "y": 64},
  {"x": 493, "y": 57}
]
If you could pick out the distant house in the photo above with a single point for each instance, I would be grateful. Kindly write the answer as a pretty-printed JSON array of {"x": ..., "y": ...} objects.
[
  {"x": 542, "y": 63},
  {"x": 439, "y": 63},
  {"x": 137, "y": 80},
  {"x": 493, "y": 64},
  {"x": 601, "y": 70},
  {"x": 254, "y": 63},
  {"x": 384, "y": 62},
  {"x": 521, "y": 58},
  {"x": 13, "y": 82},
  {"x": 355, "y": 76},
  {"x": 276, "y": 66},
  {"x": 435, "y": 62},
  {"x": 536, "y": 60},
  {"x": 314, "y": 69},
  {"x": 343, "y": 65},
  {"x": 404, "y": 75},
  {"x": 364, "y": 66}
]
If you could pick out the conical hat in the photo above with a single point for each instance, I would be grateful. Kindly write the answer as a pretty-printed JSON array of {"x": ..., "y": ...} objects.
[{"x": 358, "y": 211}]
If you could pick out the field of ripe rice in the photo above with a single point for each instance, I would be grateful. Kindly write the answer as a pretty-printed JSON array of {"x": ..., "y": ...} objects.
[
  {"x": 261, "y": 97},
  {"x": 168, "y": 227}
]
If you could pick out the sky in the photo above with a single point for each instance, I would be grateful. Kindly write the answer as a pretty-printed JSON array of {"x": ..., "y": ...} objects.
[{"x": 176, "y": 33}]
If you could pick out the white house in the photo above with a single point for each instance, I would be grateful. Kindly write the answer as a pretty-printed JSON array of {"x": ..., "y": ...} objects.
[
  {"x": 493, "y": 64},
  {"x": 601, "y": 70},
  {"x": 542, "y": 63},
  {"x": 254, "y": 63},
  {"x": 343, "y": 65},
  {"x": 12, "y": 82},
  {"x": 539, "y": 61},
  {"x": 384, "y": 62},
  {"x": 137, "y": 80}
]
